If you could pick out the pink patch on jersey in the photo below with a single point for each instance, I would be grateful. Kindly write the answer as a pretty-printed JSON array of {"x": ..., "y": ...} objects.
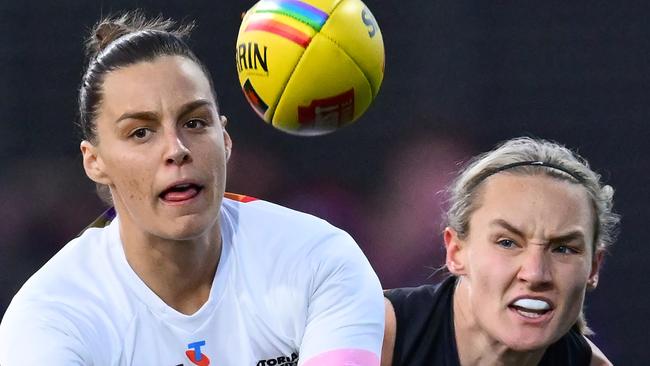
[
  {"x": 344, "y": 357},
  {"x": 205, "y": 361}
]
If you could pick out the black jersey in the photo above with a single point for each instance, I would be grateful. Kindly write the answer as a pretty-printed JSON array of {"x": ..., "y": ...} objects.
[{"x": 425, "y": 330}]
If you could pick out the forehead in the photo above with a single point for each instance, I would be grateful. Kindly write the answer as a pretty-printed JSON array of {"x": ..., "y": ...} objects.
[
  {"x": 162, "y": 82},
  {"x": 536, "y": 202}
]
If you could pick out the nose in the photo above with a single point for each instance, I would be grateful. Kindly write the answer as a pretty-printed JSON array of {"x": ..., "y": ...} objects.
[
  {"x": 177, "y": 152},
  {"x": 536, "y": 268}
]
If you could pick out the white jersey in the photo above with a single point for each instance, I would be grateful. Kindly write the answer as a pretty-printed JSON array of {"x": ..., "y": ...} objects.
[{"x": 290, "y": 289}]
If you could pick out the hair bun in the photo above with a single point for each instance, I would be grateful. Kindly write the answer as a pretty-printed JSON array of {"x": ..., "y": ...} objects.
[
  {"x": 109, "y": 29},
  {"x": 105, "y": 33}
]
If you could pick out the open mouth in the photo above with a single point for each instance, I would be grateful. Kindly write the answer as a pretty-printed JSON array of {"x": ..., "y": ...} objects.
[
  {"x": 531, "y": 308},
  {"x": 181, "y": 192}
]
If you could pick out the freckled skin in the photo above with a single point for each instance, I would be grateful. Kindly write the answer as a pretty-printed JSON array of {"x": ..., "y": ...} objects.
[{"x": 137, "y": 172}]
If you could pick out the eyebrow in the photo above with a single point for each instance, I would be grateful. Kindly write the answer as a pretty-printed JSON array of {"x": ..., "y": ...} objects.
[
  {"x": 570, "y": 236},
  {"x": 152, "y": 116},
  {"x": 506, "y": 225}
]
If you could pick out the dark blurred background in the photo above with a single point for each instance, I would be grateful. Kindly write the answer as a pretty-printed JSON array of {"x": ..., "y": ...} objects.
[{"x": 460, "y": 77}]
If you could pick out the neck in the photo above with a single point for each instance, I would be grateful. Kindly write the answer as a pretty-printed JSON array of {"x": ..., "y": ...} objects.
[
  {"x": 180, "y": 272},
  {"x": 475, "y": 345}
]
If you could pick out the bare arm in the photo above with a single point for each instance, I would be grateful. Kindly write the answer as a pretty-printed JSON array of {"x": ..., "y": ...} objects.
[
  {"x": 597, "y": 356},
  {"x": 389, "y": 335}
]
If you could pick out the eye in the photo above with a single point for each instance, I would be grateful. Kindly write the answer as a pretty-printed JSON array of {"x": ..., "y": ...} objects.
[
  {"x": 506, "y": 243},
  {"x": 140, "y": 133},
  {"x": 564, "y": 249},
  {"x": 194, "y": 123}
]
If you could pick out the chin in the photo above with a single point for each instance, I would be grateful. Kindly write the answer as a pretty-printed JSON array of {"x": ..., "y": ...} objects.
[
  {"x": 528, "y": 341},
  {"x": 186, "y": 228}
]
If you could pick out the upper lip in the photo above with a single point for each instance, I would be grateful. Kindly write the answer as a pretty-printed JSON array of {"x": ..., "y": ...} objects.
[
  {"x": 534, "y": 297},
  {"x": 179, "y": 183}
]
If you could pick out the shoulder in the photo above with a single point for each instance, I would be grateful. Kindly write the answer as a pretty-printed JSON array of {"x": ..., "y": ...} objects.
[
  {"x": 246, "y": 210},
  {"x": 598, "y": 358},
  {"x": 407, "y": 300},
  {"x": 31, "y": 334},
  {"x": 318, "y": 270},
  {"x": 414, "y": 307},
  {"x": 70, "y": 300},
  {"x": 68, "y": 272},
  {"x": 573, "y": 348},
  {"x": 57, "y": 331},
  {"x": 419, "y": 329},
  {"x": 266, "y": 227},
  {"x": 410, "y": 294},
  {"x": 306, "y": 255}
]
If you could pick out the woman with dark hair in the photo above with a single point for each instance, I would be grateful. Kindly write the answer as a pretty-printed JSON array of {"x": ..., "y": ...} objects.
[
  {"x": 527, "y": 228},
  {"x": 176, "y": 273}
]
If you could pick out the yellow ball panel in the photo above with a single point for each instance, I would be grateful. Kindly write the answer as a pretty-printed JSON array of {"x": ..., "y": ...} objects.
[
  {"x": 265, "y": 60},
  {"x": 353, "y": 27},
  {"x": 324, "y": 5},
  {"x": 326, "y": 91}
]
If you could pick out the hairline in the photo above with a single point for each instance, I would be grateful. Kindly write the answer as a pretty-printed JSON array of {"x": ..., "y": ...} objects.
[{"x": 477, "y": 193}]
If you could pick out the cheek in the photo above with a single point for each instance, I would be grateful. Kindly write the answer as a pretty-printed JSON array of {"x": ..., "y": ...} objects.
[
  {"x": 131, "y": 177},
  {"x": 488, "y": 267},
  {"x": 210, "y": 153},
  {"x": 135, "y": 186},
  {"x": 574, "y": 300},
  {"x": 573, "y": 278},
  {"x": 490, "y": 276}
]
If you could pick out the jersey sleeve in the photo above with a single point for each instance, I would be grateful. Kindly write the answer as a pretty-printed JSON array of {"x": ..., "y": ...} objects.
[
  {"x": 35, "y": 337},
  {"x": 345, "y": 321}
]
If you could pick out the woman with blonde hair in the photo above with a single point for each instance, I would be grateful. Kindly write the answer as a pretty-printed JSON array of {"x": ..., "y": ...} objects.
[{"x": 527, "y": 228}]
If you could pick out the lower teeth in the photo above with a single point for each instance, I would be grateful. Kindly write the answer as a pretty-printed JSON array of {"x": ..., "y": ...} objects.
[{"x": 529, "y": 314}]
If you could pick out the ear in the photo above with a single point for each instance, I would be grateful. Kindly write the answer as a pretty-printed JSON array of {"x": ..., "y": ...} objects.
[
  {"x": 455, "y": 259},
  {"x": 596, "y": 263},
  {"x": 93, "y": 164},
  {"x": 227, "y": 142}
]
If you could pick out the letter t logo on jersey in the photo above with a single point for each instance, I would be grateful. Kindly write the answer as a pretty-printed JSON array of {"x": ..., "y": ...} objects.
[{"x": 195, "y": 355}]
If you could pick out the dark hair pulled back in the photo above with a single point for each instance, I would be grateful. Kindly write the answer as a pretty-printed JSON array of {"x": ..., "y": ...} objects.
[{"x": 122, "y": 40}]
